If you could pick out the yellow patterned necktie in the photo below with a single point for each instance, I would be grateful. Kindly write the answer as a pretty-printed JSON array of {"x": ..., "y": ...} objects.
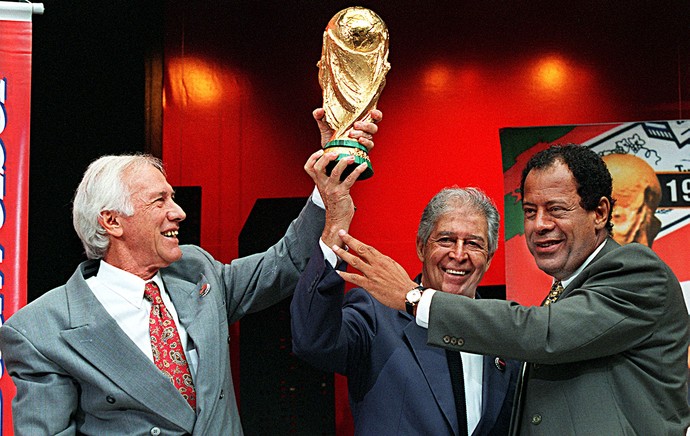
[{"x": 556, "y": 290}]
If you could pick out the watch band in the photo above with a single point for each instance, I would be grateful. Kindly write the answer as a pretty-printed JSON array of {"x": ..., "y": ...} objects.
[{"x": 410, "y": 305}]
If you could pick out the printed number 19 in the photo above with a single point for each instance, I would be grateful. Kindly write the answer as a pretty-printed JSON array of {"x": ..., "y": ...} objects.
[{"x": 685, "y": 188}]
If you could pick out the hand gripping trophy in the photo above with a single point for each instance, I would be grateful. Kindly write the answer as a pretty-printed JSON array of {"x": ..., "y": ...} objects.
[{"x": 352, "y": 74}]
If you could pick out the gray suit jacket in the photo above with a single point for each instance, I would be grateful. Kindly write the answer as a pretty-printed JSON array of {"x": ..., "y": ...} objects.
[
  {"x": 77, "y": 372},
  {"x": 609, "y": 357}
]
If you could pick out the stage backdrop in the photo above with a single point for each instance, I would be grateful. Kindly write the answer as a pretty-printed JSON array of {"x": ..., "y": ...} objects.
[
  {"x": 650, "y": 166},
  {"x": 15, "y": 98}
]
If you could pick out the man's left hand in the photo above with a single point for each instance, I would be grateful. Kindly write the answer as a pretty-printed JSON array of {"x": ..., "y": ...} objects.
[{"x": 362, "y": 131}]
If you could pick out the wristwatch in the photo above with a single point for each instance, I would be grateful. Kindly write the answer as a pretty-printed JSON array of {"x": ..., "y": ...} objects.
[{"x": 412, "y": 298}]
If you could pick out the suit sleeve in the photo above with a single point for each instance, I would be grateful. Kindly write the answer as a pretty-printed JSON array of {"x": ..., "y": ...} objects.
[
  {"x": 614, "y": 309},
  {"x": 253, "y": 283},
  {"x": 330, "y": 330},
  {"x": 47, "y": 397}
]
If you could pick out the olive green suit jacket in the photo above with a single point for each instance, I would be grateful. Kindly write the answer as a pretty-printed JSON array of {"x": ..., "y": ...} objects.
[{"x": 609, "y": 357}]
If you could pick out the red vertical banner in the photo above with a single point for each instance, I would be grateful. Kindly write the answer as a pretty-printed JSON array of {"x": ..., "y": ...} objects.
[{"x": 15, "y": 112}]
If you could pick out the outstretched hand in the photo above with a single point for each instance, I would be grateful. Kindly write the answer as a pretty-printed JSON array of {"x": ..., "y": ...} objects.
[
  {"x": 384, "y": 278},
  {"x": 362, "y": 131}
]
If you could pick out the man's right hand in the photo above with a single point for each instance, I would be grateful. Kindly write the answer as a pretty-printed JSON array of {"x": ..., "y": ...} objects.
[{"x": 381, "y": 276}]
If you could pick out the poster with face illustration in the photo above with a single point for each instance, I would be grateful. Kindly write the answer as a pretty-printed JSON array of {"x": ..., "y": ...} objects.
[{"x": 650, "y": 166}]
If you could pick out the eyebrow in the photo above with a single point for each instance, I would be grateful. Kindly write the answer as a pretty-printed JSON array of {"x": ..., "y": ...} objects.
[
  {"x": 471, "y": 236},
  {"x": 152, "y": 196},
  {"x": 564, "y": 201}
]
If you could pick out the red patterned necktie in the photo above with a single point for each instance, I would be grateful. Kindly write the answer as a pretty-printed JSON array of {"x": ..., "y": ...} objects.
[{"x": 168, "y": 354}]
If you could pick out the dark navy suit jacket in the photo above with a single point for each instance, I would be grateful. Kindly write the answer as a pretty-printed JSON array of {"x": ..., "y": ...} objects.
[{"x": 397, "y": 383}]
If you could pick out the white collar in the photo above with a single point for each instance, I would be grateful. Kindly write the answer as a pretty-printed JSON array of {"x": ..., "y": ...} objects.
[{"x": 125, "y": 284}]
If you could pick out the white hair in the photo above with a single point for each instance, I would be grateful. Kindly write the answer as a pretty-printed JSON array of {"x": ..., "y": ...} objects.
[
  {"x": 104, "y": 187},
  {"x": 454, "y": 199}
]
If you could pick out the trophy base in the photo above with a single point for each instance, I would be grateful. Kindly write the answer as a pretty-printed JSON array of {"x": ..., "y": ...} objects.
[{"x": 345, "y": 148}]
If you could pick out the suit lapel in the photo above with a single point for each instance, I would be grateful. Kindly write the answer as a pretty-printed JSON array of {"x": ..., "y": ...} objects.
[
  {"x": 494, "y": 389},
  {"x": 609, "y": 246},
  {"x": 95, "y": 335},
  {"x": 197, "y": 311},
  {"x": 433, "y": 363},
  {"x": 432, "y": 360},
  {"x": 515, "y": 424}
]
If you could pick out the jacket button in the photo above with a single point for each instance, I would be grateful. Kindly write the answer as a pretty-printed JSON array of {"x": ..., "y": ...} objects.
[
  {"x": 536, "y": 419},
  {"x": 453, "y": 341},
  {"x": 461, "y": 342},
  {"x": 446, "y": 339},
  {"x": 155, "y": 431},
  {"x": 110, "y": 399},
  {"x": 222, "y": 394}
]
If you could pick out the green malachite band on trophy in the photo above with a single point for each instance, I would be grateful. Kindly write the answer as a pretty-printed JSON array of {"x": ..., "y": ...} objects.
[
  {"x": 345, "y": 143},
  {"x": 345, "y": 148}
]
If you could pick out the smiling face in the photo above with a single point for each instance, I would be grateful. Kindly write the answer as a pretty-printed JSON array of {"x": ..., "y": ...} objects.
[
  {"x": 559, "y": 232},
  {"x": 455, "y": 256},
  {"x": 147, "y": 240}
]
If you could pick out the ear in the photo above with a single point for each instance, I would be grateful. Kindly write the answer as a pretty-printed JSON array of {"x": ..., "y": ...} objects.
[
  {"x": 420, "y": 250},
  {"x": 601, "y": 213},
  {"x": 110, "y": 221}
]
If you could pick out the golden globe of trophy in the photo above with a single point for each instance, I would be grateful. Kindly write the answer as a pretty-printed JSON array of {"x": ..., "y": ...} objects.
[{"x": 352, "y": 74}]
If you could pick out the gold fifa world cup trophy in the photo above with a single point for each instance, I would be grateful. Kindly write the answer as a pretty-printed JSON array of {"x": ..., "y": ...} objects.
[{"x": 352, "y": 74}]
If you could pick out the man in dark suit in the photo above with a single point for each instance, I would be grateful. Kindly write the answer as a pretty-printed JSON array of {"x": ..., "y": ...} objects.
[
  {"x": 607, "y": 349},
  {"x": 397, "y": 383},
  {"x": 136, "y": 342}
]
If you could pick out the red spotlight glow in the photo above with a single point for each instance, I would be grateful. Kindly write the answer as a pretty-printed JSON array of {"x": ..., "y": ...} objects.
[
  {"x": 194, "y": 81},
  {"x": 551, "y": 73}
]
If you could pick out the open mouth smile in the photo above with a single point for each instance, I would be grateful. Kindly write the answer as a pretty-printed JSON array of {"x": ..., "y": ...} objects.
[
  {"x": 546, "y": 244},
  {"x": 455, "y": 272}
]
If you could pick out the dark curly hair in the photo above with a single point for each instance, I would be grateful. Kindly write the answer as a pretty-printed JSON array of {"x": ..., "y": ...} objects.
[{"x": 591, "y": 175}]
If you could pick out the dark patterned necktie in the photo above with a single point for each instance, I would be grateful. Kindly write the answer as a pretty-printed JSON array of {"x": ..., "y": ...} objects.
[
  {"x": 458, "y": 383},
  {"x": 168, "y": 354},
  {"x": 556, "y": 290}
]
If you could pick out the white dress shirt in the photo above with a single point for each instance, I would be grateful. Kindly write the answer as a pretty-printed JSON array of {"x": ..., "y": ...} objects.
[{"x": 122, "y": 295}]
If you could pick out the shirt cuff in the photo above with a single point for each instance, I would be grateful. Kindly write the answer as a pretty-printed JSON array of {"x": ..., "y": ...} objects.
[
  {"x": 424, "y": 307},
  {"x": 328, "y": 254},
  {"x": 316, "y": 198}
]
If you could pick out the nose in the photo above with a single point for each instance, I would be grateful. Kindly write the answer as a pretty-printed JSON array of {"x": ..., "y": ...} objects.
[
  {"x": 543, "y": 221},
  {"x": 458, "y": 252},
  {"x": 176, "y": 213}
]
